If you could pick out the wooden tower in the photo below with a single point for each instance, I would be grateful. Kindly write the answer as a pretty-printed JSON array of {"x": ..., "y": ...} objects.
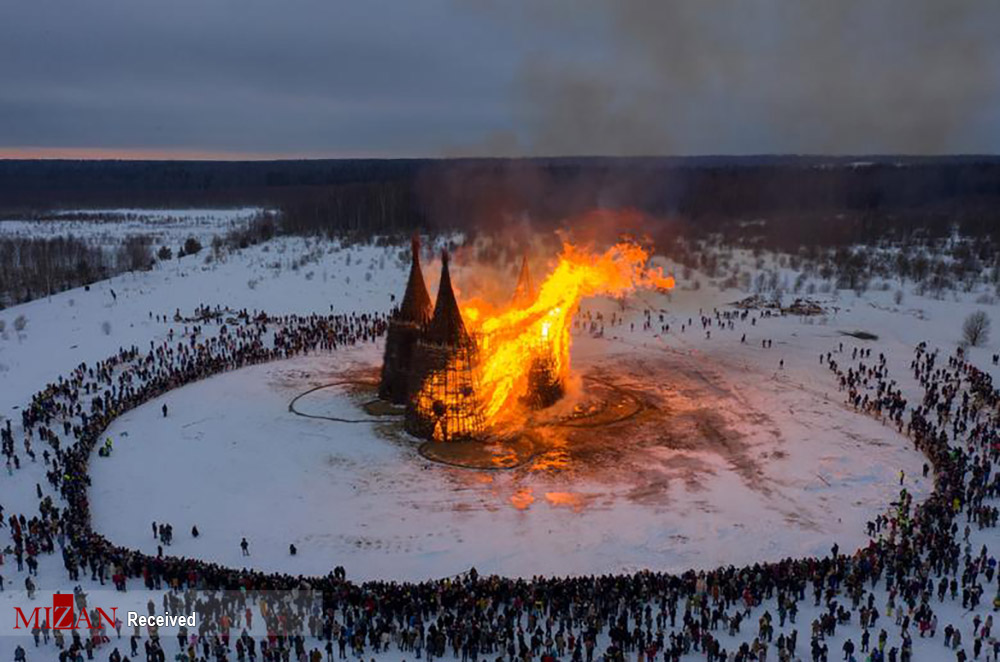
[
  {"x": 405, "y": 328},
  {"x": 444, "y": 402}
]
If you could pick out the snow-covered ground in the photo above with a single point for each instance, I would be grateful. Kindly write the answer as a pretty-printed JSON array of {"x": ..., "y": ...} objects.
[
  {"x": 799, "y": 473},
  {"x": 164, "y": 227},
  {"x": 233, "y": 460}
]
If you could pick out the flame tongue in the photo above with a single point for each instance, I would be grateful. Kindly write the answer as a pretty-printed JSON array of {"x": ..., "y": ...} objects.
[{"x": 513, "y": 340}]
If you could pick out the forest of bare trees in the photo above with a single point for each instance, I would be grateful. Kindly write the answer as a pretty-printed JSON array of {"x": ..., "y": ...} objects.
[{"x": 35, "y": 267}]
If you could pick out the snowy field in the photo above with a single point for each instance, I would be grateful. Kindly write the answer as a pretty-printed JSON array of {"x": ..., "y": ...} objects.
[
  {"x": 164, "y": 227},
  {"x": 232, "y": 460},
  {"x": 793, "y": 470}
]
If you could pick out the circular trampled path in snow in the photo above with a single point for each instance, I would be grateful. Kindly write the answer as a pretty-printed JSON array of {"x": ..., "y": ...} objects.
[{"x": 709, "y": 473}]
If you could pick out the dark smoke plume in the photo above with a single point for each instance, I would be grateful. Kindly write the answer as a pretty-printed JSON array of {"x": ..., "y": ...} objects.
[{"x": 762, "y": 76}]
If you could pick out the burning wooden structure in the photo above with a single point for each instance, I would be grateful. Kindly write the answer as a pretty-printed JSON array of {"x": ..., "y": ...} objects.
[
  {"x": 444, "y": 378},
  {"x": 545, "y": 385},
  {"x": 405, "y": 328},
  {"x": 524, "y": 291},
  {"x": 460, "y": 371}
]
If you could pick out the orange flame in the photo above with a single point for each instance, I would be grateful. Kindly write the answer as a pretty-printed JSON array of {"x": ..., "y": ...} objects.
[{"x": 512, "y": 340}]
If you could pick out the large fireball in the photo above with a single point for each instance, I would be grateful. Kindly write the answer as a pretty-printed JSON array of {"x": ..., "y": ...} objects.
[{"x": 512, "y": 340}]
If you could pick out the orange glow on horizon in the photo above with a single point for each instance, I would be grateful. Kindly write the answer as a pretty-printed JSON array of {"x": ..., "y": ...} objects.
[{"x": 160, "y": 154}]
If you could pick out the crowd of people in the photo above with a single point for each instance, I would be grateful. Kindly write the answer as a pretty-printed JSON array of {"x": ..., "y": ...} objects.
[{"x": 919, "y": 555}]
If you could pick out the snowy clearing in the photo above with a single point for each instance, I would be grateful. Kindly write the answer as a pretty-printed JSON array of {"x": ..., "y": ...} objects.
[
  {"x": 784, "y": 468},
  {"x": 109, "y": 227}
]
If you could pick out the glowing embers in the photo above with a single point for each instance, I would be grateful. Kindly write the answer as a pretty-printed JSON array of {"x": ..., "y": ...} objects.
[
  {"x": 445, "y": 406},
  {"x": 545, "y": 385}
]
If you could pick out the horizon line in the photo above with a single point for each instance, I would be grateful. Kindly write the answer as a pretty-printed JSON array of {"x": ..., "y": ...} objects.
[{"x": 223, "y": 156}]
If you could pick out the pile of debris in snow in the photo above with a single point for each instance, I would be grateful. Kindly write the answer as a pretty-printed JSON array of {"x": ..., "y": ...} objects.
[
  {"x": 804, "y": 307},
  {"x": 756, "y": 302},
  {"x": 797, "y": 307}
]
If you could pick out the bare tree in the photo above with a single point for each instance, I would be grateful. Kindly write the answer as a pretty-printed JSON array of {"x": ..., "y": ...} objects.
[
  {"x": 191, "y": 246},
  {"x": 135, "y": 254},
  {"x": 976, "y": 329},
  {"x": 20, "y": 322}
]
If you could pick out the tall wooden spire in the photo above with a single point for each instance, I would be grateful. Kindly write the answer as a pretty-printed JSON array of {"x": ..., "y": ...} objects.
[
  {"x": 444, "y": 402},
  {"x": 524, "y": 292},
  {"x": 447, "y": 327},
  {"x": 416, "y": 305},
  {"x": 404, "y": 330}
]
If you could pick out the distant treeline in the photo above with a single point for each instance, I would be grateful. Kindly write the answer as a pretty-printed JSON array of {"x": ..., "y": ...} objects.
[
  {"x": 781, "y": 203},
  {"x": 804, "y": 200}
]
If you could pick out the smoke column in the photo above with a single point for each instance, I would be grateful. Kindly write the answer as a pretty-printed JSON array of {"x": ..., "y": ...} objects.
[{"x": 759, "y": 76}]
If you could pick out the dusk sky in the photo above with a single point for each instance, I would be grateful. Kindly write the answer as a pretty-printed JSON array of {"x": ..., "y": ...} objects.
[{"x": 324, "y": 78}]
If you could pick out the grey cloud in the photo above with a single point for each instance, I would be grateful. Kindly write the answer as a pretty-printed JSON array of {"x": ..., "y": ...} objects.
[
  {"x": 308, "y": 75},
  {"x": 433, "y": 77},
  {"x": 752, "y": 76}
]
